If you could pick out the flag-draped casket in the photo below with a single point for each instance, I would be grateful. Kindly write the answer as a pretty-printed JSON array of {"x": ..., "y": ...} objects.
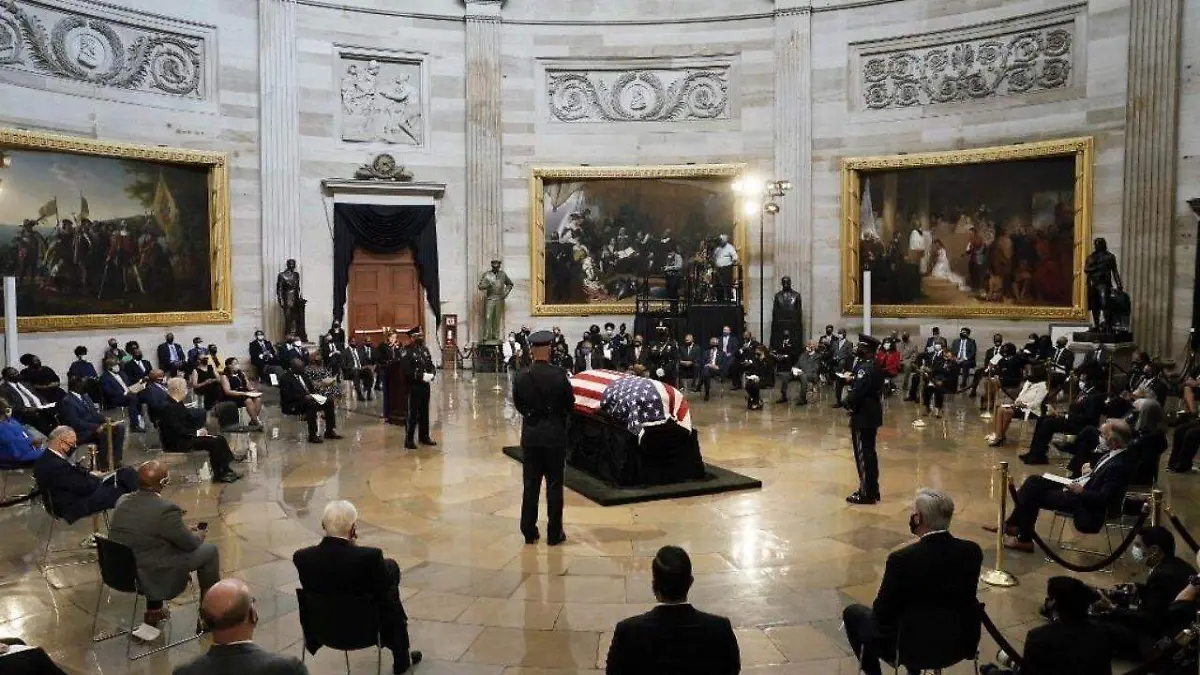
[{"x": 630, "y": 430}]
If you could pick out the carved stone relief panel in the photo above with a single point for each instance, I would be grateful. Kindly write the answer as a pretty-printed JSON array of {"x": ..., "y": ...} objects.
[
  {"x": 382, "y": 96},
  {"x": 1022, "y": 56},
  {"x": 100, "y": 45},
  {"x": 697, "y": 91}
]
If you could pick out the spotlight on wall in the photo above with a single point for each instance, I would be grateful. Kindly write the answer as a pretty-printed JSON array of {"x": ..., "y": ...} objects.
[
  {"x": 771, "y": 207},
  {"x": 750, "y": 208}
]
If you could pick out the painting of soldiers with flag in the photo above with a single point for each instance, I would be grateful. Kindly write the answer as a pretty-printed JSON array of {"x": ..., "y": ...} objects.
[{"x": 103, "y": 234}]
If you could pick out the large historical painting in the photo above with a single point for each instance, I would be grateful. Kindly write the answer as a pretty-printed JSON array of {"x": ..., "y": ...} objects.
[
  {"x": 101, "y": 234},
  {"x": 599, "y": 232},
  {"x": 998, "y": 232}
]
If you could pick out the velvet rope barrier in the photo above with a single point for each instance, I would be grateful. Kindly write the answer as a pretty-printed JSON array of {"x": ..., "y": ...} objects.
[
  {"x": 1001, "y": 642},
  {"x": 1112, "y": 558},
  {"x": 1187, "y": 536}
]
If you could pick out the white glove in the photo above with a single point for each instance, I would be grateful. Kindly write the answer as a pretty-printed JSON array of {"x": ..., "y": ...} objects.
[
  {"x": 428, "y": 377},
  {"x": 796, "y": 372},
  {"x": 660, "y": 372}
]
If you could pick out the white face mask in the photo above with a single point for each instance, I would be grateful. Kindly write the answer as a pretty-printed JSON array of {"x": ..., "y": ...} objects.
[
  {"x": 115, "y": 369},
  {"x": 297, "y": 343},
  {"x": 1137, "y": 553}
]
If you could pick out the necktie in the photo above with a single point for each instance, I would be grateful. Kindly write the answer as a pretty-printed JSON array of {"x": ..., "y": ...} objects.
[
  {"x": 962, "y": 350},
  {"x": 175, "y": 355},
  {"x": 354, "y": 354}
]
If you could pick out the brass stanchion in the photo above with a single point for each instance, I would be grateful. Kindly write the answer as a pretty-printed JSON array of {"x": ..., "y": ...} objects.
[
  {"x": 997, "y": 576},
  {"x": 1156, "y": 505},
  {"x": 108, "y": 433}
]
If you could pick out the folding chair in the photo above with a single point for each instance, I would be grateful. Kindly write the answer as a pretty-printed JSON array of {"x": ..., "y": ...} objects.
[
  {"x": 935, "y": 638},
  {"x": 1115, "y": 518},
  {"x": 342, "y": 622},
  {"x": 47, "y": 549}
]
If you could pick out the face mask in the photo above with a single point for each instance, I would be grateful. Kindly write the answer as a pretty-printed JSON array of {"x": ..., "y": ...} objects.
[
  {"x": 1138, "y": 553},
  {"x": 962, "y": 335},
  {"x": 258, "y": 336},
  {"x": 297, "y": 343},
  {"x": 913, "y": 523}
]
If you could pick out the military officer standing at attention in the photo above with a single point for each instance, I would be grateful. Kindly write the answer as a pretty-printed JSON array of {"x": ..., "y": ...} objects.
[
  {"x": 866, "y": 416},
  {"x": 416, "y": 365},
  {"x": 543, "y": 396}
]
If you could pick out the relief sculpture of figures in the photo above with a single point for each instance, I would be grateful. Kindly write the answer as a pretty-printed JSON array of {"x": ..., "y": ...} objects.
[
  {"x": 381, "y": 102},
  {"x": 496, "y": 286}
]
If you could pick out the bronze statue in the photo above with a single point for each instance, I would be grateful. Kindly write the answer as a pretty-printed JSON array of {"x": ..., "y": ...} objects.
[
  {"x": 787, "y": 313},
  {"x": 287, "y": 291},
  {"x": 1101, "y": 271},
  {"x": 496, "y": 286}
]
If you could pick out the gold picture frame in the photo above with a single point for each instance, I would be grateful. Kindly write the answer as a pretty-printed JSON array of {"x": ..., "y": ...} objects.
[
  {"x": 1081, "y": 149},
  {"x": 537, "y": 228},
  {"x": 216, "y": 166}
]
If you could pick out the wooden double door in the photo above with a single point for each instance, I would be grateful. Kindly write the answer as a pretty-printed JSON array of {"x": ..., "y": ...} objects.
[{"x": 384, "y": 290}]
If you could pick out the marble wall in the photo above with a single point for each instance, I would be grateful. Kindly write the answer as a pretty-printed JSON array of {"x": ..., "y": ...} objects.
[{"x": 797, "y": 106}]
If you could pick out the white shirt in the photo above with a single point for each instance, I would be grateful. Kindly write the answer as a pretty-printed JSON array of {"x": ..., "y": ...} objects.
[
  {"x": 1083, "y": 480},
  {"x": 725, "y": 255},
  {"x": 120, "y": 380},
  {"x": 962, "y": 349},
  {"x": 31, "y": 401},
  {"x": 916, "y": 241},
  {"x": 1032, "y": 394}
]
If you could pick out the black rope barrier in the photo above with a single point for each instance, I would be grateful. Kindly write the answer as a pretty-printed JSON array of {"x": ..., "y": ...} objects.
[
  {"x": 1001, "y": 641},
  {"x": 1183, "y": 533},
  {"x": 1112, "y": 558},
  {"x": 18, "y": 499}
]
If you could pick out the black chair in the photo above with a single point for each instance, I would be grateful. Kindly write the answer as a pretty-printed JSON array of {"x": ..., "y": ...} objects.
[
  {"x": 342, "y": 622},
  {"x": 118, "y": 572},
  {"x": 7, "y": 468},
  {"x": 933, "y": 638},
  {"x": 47, "y": 549}
]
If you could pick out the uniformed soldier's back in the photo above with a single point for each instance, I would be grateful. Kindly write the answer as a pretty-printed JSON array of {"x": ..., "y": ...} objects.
[{"x": 542, "y": 394}]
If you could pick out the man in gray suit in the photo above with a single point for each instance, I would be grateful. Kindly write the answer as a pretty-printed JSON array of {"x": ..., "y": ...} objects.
[
  {"x": 229, "y": 612},
  {"x": 167, "y": 551}
]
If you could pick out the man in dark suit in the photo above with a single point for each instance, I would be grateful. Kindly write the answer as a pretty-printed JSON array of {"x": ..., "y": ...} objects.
[
  {"x": 292, "y": 349},
  {"x": 866, "y": 416},
  {"x": 935, "y": 336},
  {"x": 690, "y": 358},
  {"x": 78, "y": 411},
  {"x": 938, "y": 574},
  {"x": 358, "y": 369},
  {"x": 170, "y": 356},
  {"x": 182, "y": 430},
  {"x": 988, "y": 356},
  {"x": 1088, "y": 497},
  {"x": 674, "y": 637},
  {"x": 338, "y": 565},
  {"x": 155, "y": 396},
  {"x": 712, "y": 365},
  {"x": 841, "y": 360},
  {"x": 1085, "y": 411},
  {"x": 194, "y": 354},
  {"x": 116, "y": 392},
  {"x": 297, "y": 396},
  {"x": 802, "y": 369},
  {"x": 229, "y": 613},
  {"x": 26, "y": 404},
  {"x": 1071, "y": 644},
  {"x": 543, "y": 396},
  {"x": 730, "y": 344},
  {"x": 1062, "y": 364},
  {"x": 964, "y": 349},
  {"x": 262, "y": 354},
  {"x": 74, "y": 491},
  {"x": 137, "y": 368},
  {"x": 1130, "y": 632}
]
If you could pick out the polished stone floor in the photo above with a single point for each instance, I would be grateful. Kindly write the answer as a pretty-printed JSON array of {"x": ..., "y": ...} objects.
[{"x": 781, "y": 562}]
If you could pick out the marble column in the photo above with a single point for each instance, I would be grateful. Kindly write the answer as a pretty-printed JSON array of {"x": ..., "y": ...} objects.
[
  {"x": 1152, "y": 109},
  {"x": 279, "y": 123},
  {"x": 793, "y": 149},
  {"x": 484, "y": 222}
]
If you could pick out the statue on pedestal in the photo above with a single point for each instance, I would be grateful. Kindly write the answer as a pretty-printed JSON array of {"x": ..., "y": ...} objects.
[
  {"x": 787, "y": 313},
  {"x": 287, "y": 292},
  {"x": 1102, "y": 275},
  {"x": 496, "y": 286}
]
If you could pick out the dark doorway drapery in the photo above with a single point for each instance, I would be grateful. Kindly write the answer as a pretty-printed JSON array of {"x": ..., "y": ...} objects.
[{"x": 385, "y": 229}]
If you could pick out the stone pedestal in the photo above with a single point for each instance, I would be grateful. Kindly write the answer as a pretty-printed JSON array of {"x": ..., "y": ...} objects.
[{"x": 489, "y": 358}]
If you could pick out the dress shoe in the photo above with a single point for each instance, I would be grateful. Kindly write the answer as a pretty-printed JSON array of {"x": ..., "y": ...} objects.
[
  {"x": 860, "y": 498},
  {"x": 154, "y": 617},
  {"x": 1032, "y": 459},
  {"x": 1009, "y": 530},
  {"x": 706, "y": 396},
  {"x": 313, "y": 438},
  {"x": 228, "y": 477},
  {"x": 428, "y": 441},
  {"x": 556, "y": 540},
  {"x": 414, "y": 657},
  {"x": 409, "y": 445},
  {"x": 239, "y": 458},
  {"x": 802, "y": 401},
  {"x": 333, "y": 435},
  {"x": 255, "y": 426},
  {"x": 1017, "y": 545},
  {"x": 533, "y": 539}
]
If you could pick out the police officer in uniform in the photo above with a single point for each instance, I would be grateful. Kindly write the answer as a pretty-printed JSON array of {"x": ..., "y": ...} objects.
[
  {"x": 866, "y": 416},
  {"x": 543, "y": 396},
  {"x": 417, "y": 367},
  {"x": 664, "y": 357}
]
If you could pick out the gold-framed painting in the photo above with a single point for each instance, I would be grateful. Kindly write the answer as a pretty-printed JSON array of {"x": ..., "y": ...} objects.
[
  {"x": 596, "y": 232},
  {"x": 106, "y": 235},
  {"x": 999, "y": 232}
]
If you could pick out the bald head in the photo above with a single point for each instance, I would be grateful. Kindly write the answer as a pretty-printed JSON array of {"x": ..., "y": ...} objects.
[
  {"x": 157, "y": 375},
  {"x": 228, "y": 611},
  {"x": 151, "y": 475}
]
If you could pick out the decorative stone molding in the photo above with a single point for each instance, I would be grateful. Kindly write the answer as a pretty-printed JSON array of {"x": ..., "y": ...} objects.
[
  {"x": 382, "y": 96},
  {"x": 98, "y": 45},
  {"x": 1020, "y": 56},
  {"x": 383, "y": 167},
  {"x": 657, "y": 91}
]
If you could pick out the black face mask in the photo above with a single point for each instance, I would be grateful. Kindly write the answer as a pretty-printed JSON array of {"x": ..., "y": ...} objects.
[{"x": 913, "y": 523}]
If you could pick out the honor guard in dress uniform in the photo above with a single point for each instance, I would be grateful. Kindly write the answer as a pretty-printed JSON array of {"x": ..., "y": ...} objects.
[
  {"x": 543, "y": 396},
  {"x": 664, "y": 357},
  {"x": 866, "y": 416},
  {"x": 417, "y": 367}
]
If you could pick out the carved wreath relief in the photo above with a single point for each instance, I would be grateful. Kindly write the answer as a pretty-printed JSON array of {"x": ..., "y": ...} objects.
[
  {"x": 1011, "y": 64},
  {"x": 381, "y": 101},
  {"x": 638, "y": 95},
  {"x": 98, "y": 51}
]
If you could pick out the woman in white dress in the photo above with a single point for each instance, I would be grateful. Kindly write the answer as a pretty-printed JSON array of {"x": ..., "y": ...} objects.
[{"x": 941, "y": 267}]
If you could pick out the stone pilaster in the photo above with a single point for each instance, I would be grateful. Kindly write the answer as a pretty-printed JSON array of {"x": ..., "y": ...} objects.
[
  {"x": 793, "y": 152},
  {"x": 1152, "y": 110},
  {"x": 279, "y": 126},
  {"x": 484, "y": 224}
]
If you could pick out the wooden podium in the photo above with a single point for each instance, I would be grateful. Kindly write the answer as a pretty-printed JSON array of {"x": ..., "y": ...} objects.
[{"x": 395, "y": 394}]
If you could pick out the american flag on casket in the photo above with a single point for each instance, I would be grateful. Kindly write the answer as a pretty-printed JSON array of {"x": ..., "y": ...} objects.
[{"x": 637, "y": 401}]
